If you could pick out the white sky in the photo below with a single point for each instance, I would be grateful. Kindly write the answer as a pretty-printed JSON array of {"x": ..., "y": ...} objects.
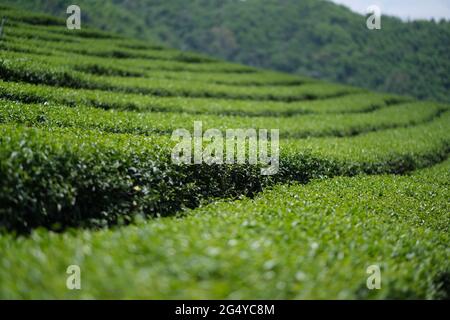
[{"x": 405, "y": 9}]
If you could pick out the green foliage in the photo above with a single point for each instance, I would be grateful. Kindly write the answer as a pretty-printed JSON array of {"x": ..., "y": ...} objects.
[
  {"x": 302, "y": 126},
  {"x": 308, "y": 37},
  {"x": 351, "y": 103},
  {"x": 58, "y": 177},
  {"x": 62, "y": 178},
  {"x": 292, "y": 242},
  {"x": 15, "y": 67},
  {"x": 85, "y": 123}
]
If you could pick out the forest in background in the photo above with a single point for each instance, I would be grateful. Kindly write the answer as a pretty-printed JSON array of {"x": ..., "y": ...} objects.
[{"x": 308, "y": 37}]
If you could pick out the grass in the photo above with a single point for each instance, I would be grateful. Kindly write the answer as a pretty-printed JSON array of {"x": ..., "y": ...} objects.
[{"x": 86, "y": 177}]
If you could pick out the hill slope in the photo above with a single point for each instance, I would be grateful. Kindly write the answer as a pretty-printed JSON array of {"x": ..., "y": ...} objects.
[
  {"x": 307, "y": 37},
  {"x": 87, "y": 177}
]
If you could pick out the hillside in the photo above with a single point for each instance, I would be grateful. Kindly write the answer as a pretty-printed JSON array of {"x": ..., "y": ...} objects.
[
  {"x": 88, "y": 178},
  {"x": 306, "y": 37}
]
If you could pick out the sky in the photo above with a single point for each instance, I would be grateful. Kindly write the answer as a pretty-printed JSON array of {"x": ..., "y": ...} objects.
[{"x": 405, "y": 9}]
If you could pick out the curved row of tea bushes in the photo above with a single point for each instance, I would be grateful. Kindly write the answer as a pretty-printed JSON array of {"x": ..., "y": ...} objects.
[
  {"x": 66, "y": 162},
  {"x": 312, "y": 241},
  {"x": 352, "y": 103},
  {"x": 47, "y": 115},
  {"x": 42, "y": 72},
  {"x": 39, "y": 56},
  {"x": 52, "y": 46},
  {"x": 59, "y": 178}
]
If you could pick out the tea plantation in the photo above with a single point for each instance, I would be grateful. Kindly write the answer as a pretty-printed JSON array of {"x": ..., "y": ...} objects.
[{"x": 87, "y": 179}]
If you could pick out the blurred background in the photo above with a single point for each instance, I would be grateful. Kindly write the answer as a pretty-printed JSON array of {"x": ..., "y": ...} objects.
[
  {"x": 325, "y": 39},
  {"x": 404, "y": 9}
]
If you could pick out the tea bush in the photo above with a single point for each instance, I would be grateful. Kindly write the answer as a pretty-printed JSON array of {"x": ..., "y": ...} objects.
[{"x": 86, "y": 177}]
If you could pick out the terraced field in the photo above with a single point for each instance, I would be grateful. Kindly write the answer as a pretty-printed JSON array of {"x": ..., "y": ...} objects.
[{"x": 87, "y": 177}]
